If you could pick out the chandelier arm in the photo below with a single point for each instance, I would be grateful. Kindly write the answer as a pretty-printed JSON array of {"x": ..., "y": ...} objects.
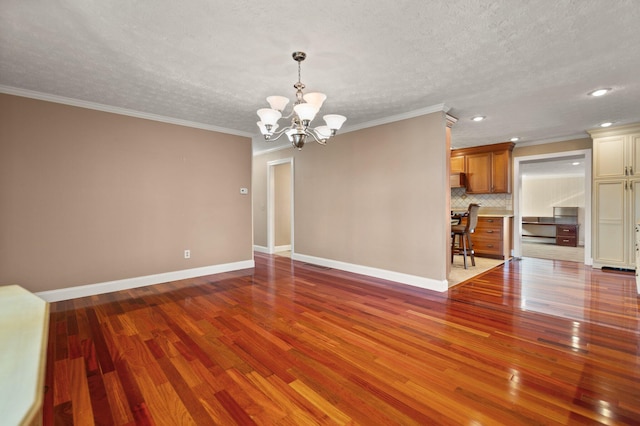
[
  {"x": 277, "y": 134},
  {"x": 316, "y": 137}
]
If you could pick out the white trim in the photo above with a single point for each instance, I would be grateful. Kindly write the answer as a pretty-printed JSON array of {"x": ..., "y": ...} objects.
[
  {"x": 615, "y": 131},
  {"x": 128, "y": 283},
  {"x": 378, "y": 122},
  {"x": 117, "y": 110},
  {"x": 278, "y": 249},
  {"x": 261, "y": 249},
  {"x": 412, "y": 280},
  {"x": 517, "y": 198},
  {"x": 576, "y": 136},
  {"x": 274, "y": 149},
  {"x": 398, "y": 117}
]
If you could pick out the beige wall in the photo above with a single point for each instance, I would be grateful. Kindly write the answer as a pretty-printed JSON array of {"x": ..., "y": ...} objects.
[
  {"x": 375, "y": 197},
  {"x": 89, "y": 196},
  {"x": 550, "y": 148}
]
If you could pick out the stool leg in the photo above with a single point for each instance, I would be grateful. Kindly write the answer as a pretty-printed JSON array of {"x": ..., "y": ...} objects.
[
  {"x": 473, "y": 258},
  {"x": 453, "y": 244},
  {"x": 464, "y": 249}
]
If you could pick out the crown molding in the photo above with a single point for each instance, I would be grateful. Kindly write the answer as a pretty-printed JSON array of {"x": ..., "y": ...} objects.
[
  {"x": 117, "y": 110},
  {"x": 553, "y": 140},
  {"x": 398, "y": 117},
  {"x": 615, "y": 131}
]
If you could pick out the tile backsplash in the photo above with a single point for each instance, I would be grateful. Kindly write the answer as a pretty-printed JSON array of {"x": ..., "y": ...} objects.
[{"x": 460, "y": 200}]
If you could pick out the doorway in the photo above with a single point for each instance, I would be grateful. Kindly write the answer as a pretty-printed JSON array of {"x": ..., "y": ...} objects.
[
  {"x": 545, "y": 174},
  {"x": 280, "y": 206}
]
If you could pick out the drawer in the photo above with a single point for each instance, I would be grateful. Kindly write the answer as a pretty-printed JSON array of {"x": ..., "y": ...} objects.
[
  {"x": 566, "y": 230},
  {"x": 566, "y": 241},
  {"x": 487, "y": 246},
  {"x": 487, "y": 234},
  {"x": 489, "y": 222}
]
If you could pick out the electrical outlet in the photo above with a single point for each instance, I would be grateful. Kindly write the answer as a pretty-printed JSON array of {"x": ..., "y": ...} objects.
[{"x": 187, "y": 254}]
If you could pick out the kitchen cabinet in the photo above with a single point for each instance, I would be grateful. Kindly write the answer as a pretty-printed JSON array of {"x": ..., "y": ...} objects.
[
  {"x": 616, "y": 195},
  {"x": 487, "y": 168},
  {"x": 493, "y": 236},
  {"x": 457, "y": 164}
]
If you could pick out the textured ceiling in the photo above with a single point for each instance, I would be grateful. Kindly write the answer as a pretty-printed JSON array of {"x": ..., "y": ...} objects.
[{"x": 525, "y": 65}]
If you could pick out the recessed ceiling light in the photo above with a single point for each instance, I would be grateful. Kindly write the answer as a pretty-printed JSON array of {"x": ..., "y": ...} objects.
[
  {"x": 514, "y": 139},
  {"x": 599, "y": 92},
  {"x": 478, "y": 118},
  {"x": 606, "y": 124},
  {"x": 575, "y": 163}
]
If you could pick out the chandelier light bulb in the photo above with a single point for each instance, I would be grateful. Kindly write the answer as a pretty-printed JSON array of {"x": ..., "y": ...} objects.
[
  {"x": 316, "y": 99},
  {"x": 334, "y": 121},
  {"x": 269, "y": 116},
  {"x": 305, "y": 111},
  {"x": 279, "y": 103}
]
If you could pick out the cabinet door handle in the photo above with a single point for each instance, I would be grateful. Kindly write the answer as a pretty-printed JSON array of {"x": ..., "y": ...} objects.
[
  {"x": 565, "y": 230},
  {"x": 490, "y": 220},
  {"x": 626, "y": 171},
  {"x": 565, "y": 241},
  {"x": 490, "y": 245},
  {"x": 489, "y": 231}
]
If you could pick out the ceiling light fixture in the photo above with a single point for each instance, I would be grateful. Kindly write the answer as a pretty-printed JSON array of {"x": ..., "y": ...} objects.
[
  {"x": 575, "y": 163},
  {"x": 606, "y": 124},
  {"x": 304, "y": 111},
  {"x": 514, "y": 139},
  {"x": 478, "y": 118},
  {"x": 599, "y": 92}
]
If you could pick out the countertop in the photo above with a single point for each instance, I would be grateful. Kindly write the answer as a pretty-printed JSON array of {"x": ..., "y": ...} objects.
[
  {"x": 487, "y": 212},
  {"x": 24, "y": 321}
]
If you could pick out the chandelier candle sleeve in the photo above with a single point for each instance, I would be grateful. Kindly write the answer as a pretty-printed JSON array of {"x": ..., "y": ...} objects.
[{"x": 304, "y": 110}]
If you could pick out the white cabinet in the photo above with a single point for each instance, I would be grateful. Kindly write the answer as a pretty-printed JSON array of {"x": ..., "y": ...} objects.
[
  {"x": 616, "y": 195},
  {"x": 616, "y": 156}
]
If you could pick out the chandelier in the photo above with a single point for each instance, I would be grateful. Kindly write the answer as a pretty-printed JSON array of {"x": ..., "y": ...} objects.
[{"x": 304, "y": 110}]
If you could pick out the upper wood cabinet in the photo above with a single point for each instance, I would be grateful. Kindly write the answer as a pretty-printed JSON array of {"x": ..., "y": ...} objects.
[
  {"x": 487, "y": 167},
  {"x": 457, "y": 164}
]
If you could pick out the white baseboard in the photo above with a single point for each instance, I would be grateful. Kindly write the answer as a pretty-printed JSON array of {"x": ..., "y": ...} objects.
[
  {"x": 261, "y": 249},
  {"x": 413, "y": 280},
  {"x": 125, "y": 284},
  {"x": 278, "y": 249}
]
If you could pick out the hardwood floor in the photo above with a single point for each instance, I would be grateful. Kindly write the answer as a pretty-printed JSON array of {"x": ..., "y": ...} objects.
[{"x": 531, "y": 342}]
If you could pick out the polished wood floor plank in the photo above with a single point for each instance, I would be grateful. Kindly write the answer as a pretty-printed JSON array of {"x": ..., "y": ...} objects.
[{"x": 531, "y": 342}]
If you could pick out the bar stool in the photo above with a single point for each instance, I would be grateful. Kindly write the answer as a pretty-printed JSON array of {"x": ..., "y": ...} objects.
[{"x": 464, "y": 231}]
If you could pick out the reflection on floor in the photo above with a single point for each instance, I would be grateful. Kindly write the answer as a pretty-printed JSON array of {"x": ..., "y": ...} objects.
[
  {"x": 552, "y": 251},
  {"x": 459, "y": 274}
]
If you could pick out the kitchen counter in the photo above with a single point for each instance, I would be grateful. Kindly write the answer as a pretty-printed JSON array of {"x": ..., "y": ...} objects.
[
  {"x": 487, "y": 212},
  {"x": 24, "y": 325}
]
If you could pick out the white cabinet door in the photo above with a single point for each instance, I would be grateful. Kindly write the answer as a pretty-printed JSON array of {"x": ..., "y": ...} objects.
[
  {"x": 611, "y": 246},
  {"x": 609, "y": 157},
  {"x": 634, "y": 144},
  {"x": 634, "y": 214}
]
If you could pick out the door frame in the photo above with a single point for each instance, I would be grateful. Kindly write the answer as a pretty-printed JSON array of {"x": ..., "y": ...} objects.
[
  {"x": 271, "y": 193},
  {"x": 517, "y": 198}
]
